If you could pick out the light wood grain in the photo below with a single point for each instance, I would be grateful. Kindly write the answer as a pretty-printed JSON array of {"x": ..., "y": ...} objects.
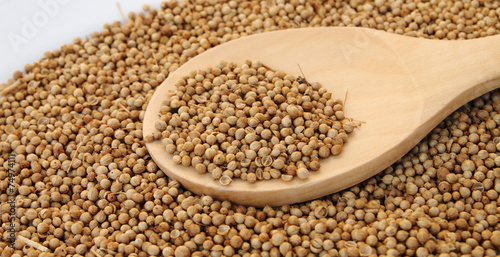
[{"x": 402, "y": 87}]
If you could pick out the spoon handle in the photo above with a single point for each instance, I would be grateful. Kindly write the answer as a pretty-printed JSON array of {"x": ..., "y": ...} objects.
[{"x": 451, "y": 73}]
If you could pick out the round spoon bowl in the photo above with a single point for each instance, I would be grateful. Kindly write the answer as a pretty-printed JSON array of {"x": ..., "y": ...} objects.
[{"x": 399, "y": 87}]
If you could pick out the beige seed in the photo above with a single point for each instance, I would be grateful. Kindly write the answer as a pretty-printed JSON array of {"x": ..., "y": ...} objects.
[
  {"x": 336, "y": 150},
  {"x": 251, "y": 177},
  {"x": 225, "y": 180},
  {"x": 350, "y": 244},
  {"x": 307, "y": 150},
  {"x": 258, "y": 162},
  {"x": 286, "y": 177},
  {"x": 468, "y": 165},
  {"x": 302, "y": 173},
  {"x": 478, "y": 186},
  {"x": 365, "y": 250},
  {"x": 324, "y": 151},
  {"x": 93, "y": 100},
  {"x": 24, "y": 190},
  {"x": 278, "y": 164},
  {"x": 267, "y": 161},
  {"x": 201, "y": 99}
]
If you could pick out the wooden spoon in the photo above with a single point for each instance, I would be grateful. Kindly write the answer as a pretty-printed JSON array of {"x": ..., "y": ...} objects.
[{"x": 401, "y": 87}]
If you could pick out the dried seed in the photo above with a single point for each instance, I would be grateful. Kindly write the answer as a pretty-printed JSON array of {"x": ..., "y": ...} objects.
[
  {"x": 225, "y": 180},
  {"x": 365, "y": 250},
  {"x": 258, "y": 162},
  {"x": 267, "y": 161},
  {"x": 286, "y": 177},
  {"x": 201, "y": 99},
  {"x": 350, "y": 244},
  {"x": 259, "y": 173},
  {"x": 92, "y": 100},
  {"x": 250, "y": 130},
  {"x": 478, "y": 186},
  {"x": 302, "y": 173}
]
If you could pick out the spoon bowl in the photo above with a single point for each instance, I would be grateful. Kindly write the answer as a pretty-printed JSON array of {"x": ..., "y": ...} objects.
[{"x": 400, "y": 87}]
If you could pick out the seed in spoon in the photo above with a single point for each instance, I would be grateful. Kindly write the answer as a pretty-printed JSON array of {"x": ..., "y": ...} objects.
[
  {"x": 225, "y": 180},
  {"x": 272, "y": 121}
]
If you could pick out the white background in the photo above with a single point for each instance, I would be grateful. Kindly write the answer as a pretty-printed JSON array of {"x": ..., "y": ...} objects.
[{"x": 30, "y": 28}]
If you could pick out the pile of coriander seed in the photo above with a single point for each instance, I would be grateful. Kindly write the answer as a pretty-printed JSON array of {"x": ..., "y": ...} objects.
[
  {"x": 251, "y": 122},
  {"x": 86, "y": 186}
]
